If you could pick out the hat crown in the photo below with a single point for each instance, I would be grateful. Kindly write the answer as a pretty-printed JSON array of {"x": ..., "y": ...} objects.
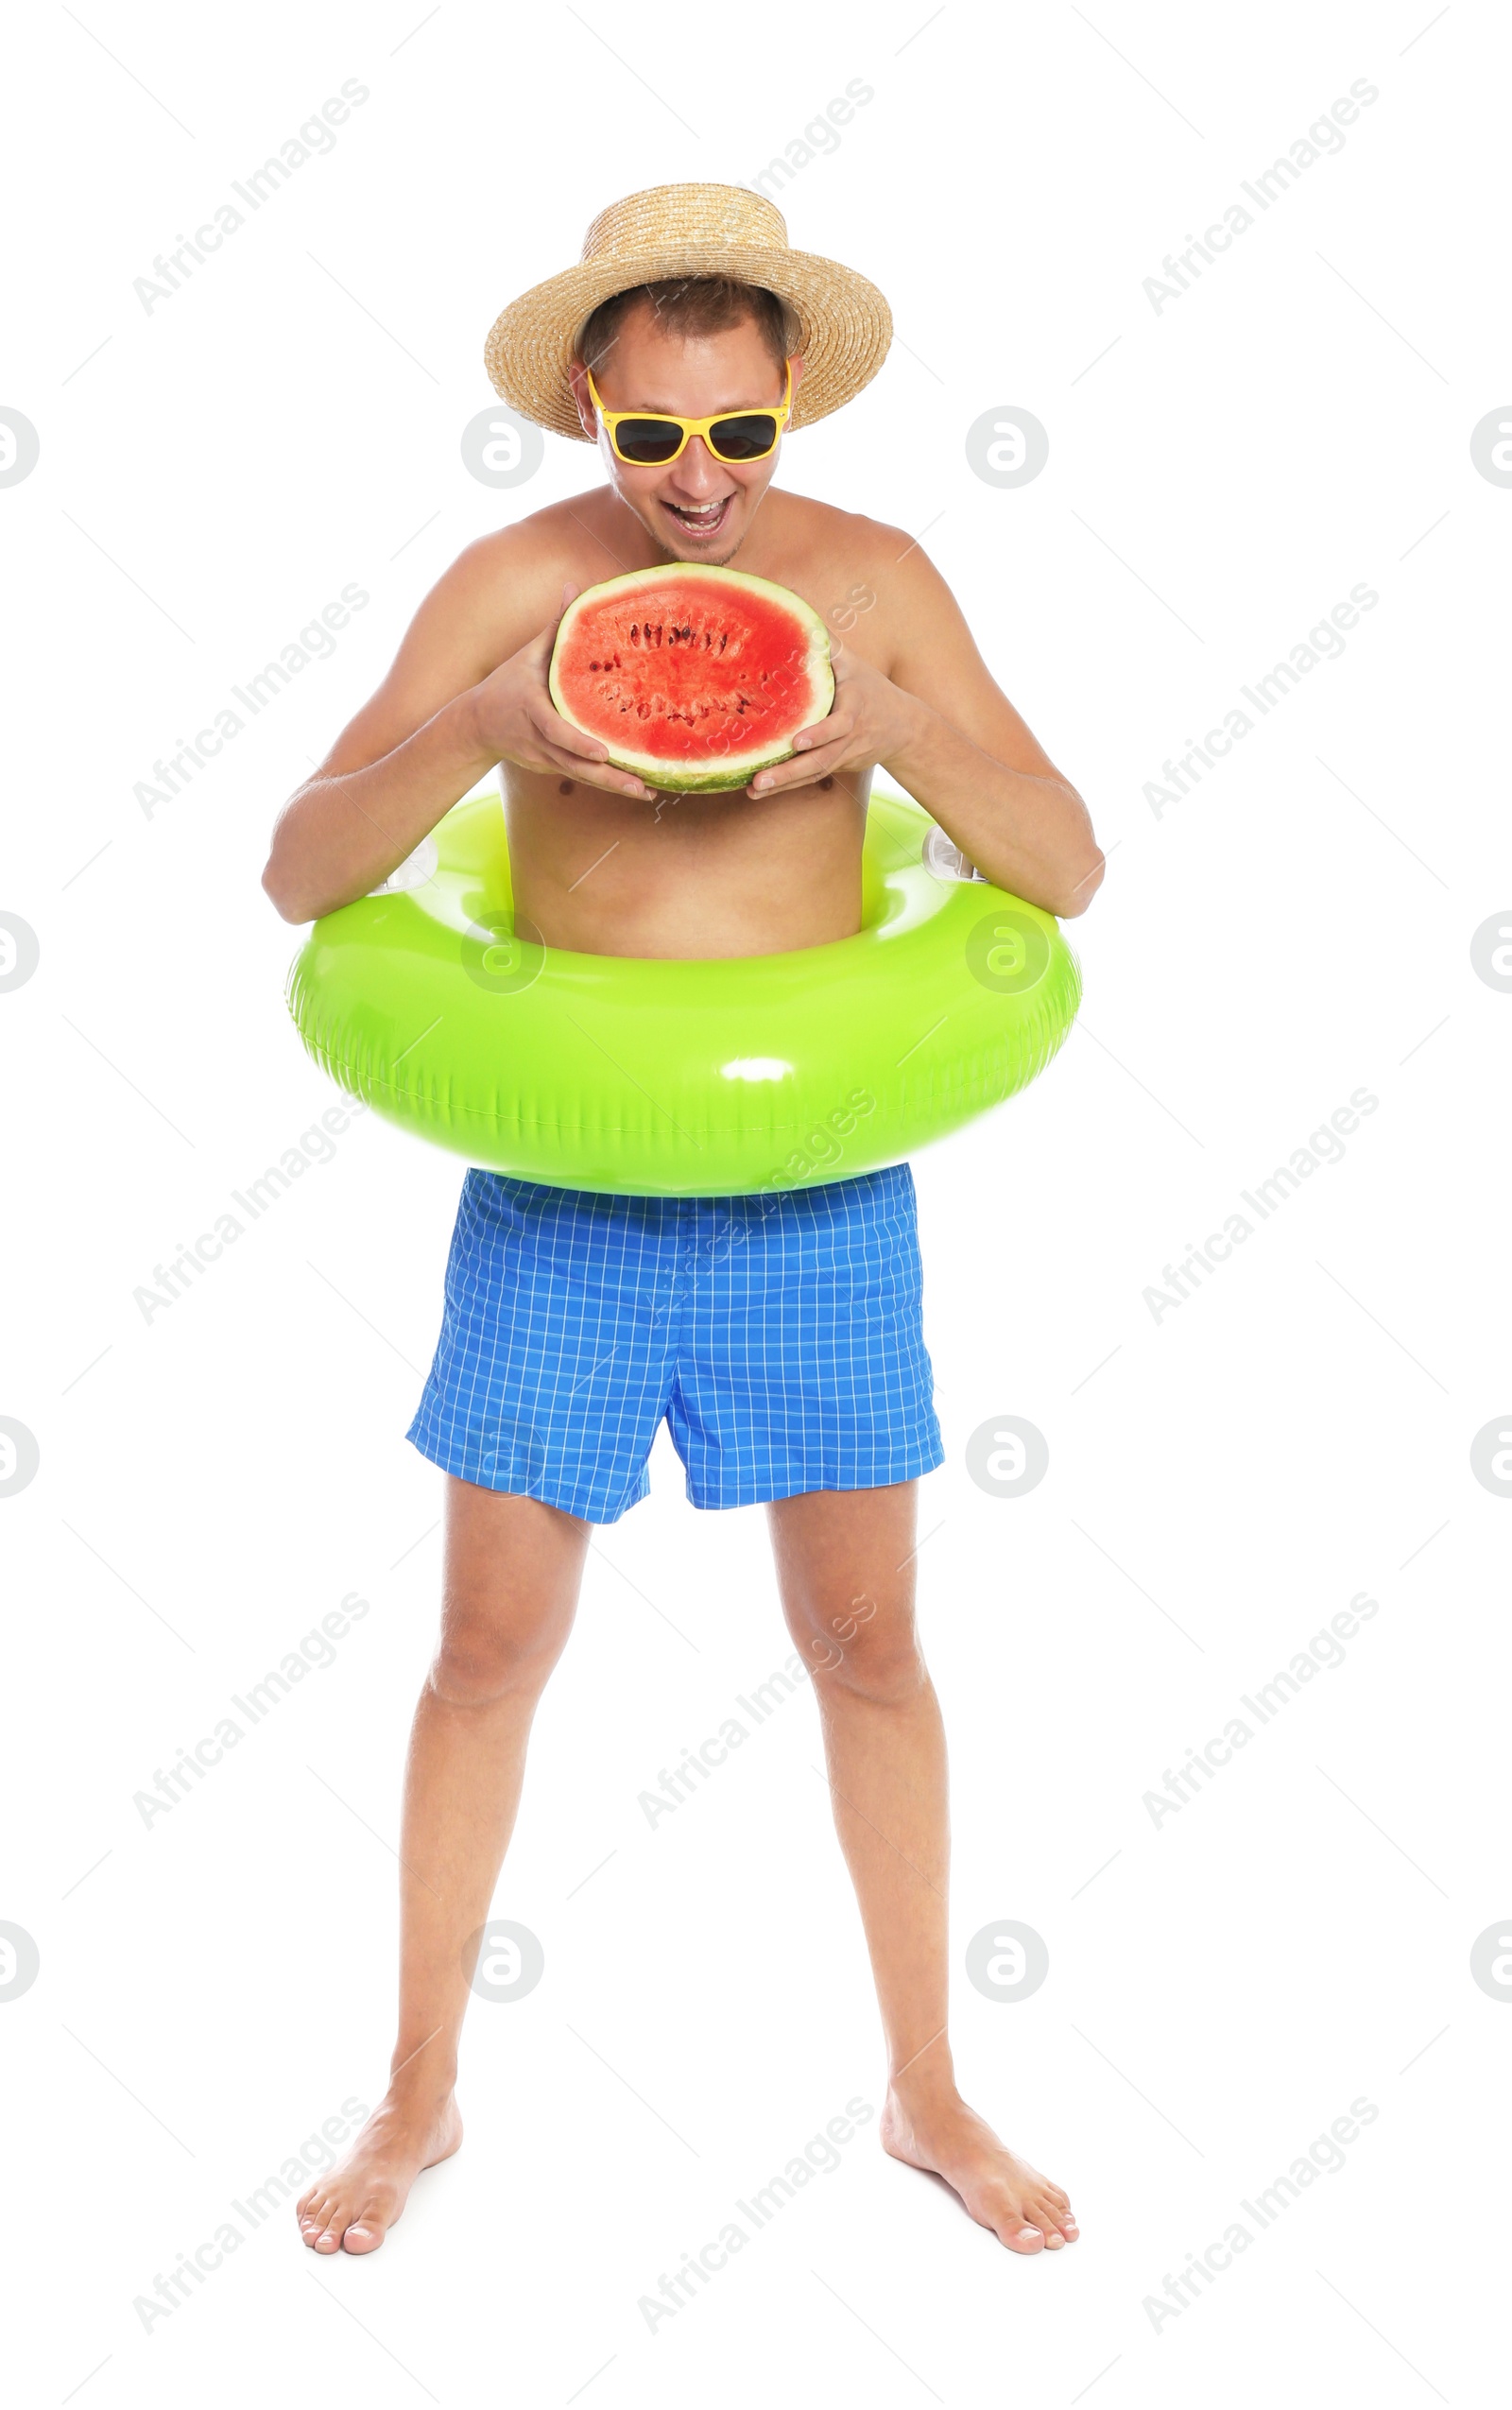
[
  {"x": 689, "y": 232},
  {"x": 719, "y": 215}
]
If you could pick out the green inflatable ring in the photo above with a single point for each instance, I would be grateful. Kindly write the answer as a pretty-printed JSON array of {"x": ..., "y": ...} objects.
[{"x": 674, "y": 1078}]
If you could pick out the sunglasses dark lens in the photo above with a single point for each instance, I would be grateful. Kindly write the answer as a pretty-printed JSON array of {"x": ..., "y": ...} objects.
[
  {"x": 648, "y": 440},
  {"x": 744, "y": 439}
]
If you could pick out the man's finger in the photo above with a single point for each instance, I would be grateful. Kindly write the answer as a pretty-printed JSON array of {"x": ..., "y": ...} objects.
[
  {"x": 572, "y": 748},
  {"x": 547, "y": 637},
  {"x": 597, "y": 774},
  {"x": 823, "y": 763},
  {"x": 824, "y": 731},
  {"x": 552, "y": 729}
]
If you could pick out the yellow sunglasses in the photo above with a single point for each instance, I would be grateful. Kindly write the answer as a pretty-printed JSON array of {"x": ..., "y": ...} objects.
[{"x": 653, "y": 443}]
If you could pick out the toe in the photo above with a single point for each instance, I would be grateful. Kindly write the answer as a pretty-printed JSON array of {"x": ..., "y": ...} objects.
[
  {"x": 1040, "y": 2213},
  {"x": 365, "y": 2233},
  {"x": 1028, "y": 2240}
]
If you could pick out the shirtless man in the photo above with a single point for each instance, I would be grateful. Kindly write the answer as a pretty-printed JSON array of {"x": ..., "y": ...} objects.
[{"x": 602, "y": 864}]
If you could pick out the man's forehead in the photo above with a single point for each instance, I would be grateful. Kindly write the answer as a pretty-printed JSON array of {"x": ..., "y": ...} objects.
[{"x": 673, "y": 376}]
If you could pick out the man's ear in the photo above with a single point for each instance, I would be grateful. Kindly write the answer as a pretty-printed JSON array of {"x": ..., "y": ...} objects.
[
  {"x": 797, "y": 366},
  {"x": 588, "y": 416}
]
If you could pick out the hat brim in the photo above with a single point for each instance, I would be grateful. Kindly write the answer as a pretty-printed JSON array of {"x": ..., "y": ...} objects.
[{"x": 846, "y": 326}]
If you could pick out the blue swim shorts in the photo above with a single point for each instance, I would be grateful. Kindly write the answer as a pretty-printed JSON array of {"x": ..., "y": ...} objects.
[{"x": 780, "y": 1336}]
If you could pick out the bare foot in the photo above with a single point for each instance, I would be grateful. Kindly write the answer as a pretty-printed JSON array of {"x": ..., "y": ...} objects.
[
  {"x": 353, "y": 2204},
  {"x": 934, "y": 2130}
]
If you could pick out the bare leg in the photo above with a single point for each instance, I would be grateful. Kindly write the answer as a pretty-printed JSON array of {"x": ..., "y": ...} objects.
[
  {"x": 513, "y": 1570},
  {"x": 845, "y": 1569}
]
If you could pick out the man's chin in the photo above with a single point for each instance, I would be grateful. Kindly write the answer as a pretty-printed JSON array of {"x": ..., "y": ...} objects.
[{"x": 704, "y": 556}]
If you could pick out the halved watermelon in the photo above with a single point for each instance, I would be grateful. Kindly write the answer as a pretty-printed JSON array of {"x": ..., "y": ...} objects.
[{"x": 695, "y": 677}]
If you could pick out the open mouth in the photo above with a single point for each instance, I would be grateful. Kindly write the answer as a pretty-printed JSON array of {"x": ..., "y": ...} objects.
[{"x": 706, "y": 521}]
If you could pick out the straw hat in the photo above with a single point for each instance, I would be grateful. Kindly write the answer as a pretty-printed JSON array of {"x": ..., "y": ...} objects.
[{"x": 688, "y": 230}]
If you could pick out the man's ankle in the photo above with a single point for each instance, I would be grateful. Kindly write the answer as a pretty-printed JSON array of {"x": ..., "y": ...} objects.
[
  {"x": 927, "y": 2078},
  {"x": 422, "y": 2068}
]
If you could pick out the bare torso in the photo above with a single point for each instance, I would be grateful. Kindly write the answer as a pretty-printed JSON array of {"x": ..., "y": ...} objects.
[{"x": 700, "y": 874}]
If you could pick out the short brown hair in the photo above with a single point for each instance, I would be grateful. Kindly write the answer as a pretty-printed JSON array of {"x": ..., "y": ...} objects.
[{"x": 689, "y": 306}]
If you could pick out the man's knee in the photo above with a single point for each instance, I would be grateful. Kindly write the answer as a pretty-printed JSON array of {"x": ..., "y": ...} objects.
[
  {"x": 487, "y": 1654},
  {"x": 858, "y": 1648}
]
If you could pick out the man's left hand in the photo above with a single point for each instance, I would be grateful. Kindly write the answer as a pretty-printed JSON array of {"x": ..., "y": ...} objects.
[{"x": 870, "y": 721}]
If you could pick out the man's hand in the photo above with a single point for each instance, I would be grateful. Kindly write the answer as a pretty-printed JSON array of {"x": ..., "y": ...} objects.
[
  {"x": 515, "y": 719},
  {"x": 870, "y": 721}
]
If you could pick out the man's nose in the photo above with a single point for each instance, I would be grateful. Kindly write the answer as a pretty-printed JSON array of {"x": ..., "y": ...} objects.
[{"x": 697, "y": 473}]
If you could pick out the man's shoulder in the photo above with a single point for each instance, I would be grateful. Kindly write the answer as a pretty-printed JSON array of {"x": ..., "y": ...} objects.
[
  {"x": 563, "y": 539},
  {"x": 505, "y": 586},
  {"x": 832, "y": 533},
  {"x": 867, "y": 578}
]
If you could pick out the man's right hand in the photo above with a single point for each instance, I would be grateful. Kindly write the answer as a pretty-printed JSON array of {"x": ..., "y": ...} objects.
[{"x": 516, "y": 720}]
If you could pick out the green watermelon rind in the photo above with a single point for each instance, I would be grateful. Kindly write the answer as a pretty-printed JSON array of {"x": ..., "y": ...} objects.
[{"x": 733, "y": 770}]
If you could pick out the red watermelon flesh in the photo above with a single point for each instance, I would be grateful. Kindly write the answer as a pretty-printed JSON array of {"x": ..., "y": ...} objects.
[{"x": 694, "y": 678}]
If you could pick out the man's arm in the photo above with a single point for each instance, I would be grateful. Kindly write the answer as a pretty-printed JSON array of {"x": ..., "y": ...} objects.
[
  {"x": 467, "y": 690},
  {"x": 941, "y": 724}
]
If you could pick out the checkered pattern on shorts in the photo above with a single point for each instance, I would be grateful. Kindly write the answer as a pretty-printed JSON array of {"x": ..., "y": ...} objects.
[{"x": 779, "y": 1335}]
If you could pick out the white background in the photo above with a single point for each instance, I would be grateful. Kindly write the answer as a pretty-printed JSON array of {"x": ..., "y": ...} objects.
[{"x": 1221, "y": 1482}]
